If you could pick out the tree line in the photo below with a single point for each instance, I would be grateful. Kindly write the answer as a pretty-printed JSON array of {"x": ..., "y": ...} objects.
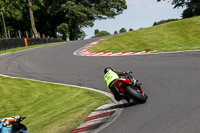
[
  {"x": 164, "y": 21},
  {"x": 67, "y": 18},
  {"x": 98, "y": 33},
  {"x": 60, "y": 17},
  {"x": 192, "y": 7}
]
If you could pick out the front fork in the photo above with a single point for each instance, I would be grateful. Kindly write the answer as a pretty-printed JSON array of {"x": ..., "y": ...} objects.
[{"x": 141, "y": 88}]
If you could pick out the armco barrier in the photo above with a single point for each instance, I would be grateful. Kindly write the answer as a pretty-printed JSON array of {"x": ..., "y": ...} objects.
[{"x": 15, "y": 42}]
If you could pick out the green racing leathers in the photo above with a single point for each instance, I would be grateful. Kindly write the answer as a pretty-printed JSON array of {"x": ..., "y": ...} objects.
[{"x": 109, "y": 77}]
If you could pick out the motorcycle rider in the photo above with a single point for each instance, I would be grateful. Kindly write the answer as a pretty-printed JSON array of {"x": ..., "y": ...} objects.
[
  {"x": 6, "y": 124},
  {"x": 109, "y": 78}
]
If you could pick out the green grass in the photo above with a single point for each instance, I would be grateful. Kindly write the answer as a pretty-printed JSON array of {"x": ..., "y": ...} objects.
[
  {"x": 23, "y": 48},
  {"x": 49, "y": 108},
  {"x": 173, "y": 36}
]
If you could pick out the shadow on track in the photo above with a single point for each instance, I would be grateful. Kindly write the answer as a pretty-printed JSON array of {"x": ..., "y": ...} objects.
[{"x": 123, "y": 105}]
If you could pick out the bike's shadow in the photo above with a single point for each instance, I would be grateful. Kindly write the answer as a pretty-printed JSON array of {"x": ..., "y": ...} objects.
[
  {"x": 120, "y": 105},
  {"x": 126, "y": 104}
]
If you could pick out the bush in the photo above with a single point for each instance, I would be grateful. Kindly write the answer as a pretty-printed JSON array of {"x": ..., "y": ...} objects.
[
  {"x": 102, "y": 33},
  {"x": 164, "y": 21}
]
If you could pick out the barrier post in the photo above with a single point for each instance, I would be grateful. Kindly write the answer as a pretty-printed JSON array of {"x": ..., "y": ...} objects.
[
  {"x": 26, "y": 34},
  {"x": 26, "y": 42},
  {"x": 8, "y": 33},
  {"x": 19, "y": 34}
]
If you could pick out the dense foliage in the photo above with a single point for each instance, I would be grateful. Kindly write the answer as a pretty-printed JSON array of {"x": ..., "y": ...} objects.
[
  {"x": 164, "y": 21},
  {"x": 63, "y": 30},
  {"x": 122, "y": 30},
  {"x": 49, "y": 14},
  {"x": 192, "y": 7},
  {"x": 98, "y": 33}
]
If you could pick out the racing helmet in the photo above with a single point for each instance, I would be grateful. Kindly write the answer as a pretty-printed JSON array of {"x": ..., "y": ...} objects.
[{"x": 107, "y": 69}]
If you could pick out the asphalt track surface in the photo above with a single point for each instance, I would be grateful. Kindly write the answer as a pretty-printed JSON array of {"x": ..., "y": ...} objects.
[{"x": 172, "y": 82}]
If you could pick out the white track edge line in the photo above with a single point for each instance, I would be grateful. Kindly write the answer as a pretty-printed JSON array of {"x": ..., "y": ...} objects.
[{"x": 87, "y": 88}]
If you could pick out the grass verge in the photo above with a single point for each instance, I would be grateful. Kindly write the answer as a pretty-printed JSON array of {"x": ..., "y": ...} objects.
[
  {"x": 23, "y": 48},
  {"x": 49, "y": 108},
  {"x": 173, "y": 36}
]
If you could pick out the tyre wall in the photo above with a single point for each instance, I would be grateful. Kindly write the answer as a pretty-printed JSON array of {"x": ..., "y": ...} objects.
[{"x": 15, "y": 42}]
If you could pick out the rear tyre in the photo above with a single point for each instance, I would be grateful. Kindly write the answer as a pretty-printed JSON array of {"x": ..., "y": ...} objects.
[{"x": 135, "y": 95}]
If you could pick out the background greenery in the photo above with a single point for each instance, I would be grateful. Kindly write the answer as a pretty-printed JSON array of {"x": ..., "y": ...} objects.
[
  {"x": 49, "y": 14},
  {"x": 192, "y": 7}
]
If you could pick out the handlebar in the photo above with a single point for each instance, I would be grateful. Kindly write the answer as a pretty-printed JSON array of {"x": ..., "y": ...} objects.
[
  {"x": 128, "y": 72},
  {"x": 20, "y": 119}
]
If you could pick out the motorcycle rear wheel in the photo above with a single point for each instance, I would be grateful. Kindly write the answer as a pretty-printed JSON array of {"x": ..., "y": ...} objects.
[{"x": 135, "y": 95}]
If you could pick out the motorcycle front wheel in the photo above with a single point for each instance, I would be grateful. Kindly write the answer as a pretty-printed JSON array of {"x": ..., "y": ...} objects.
[
  {"x": 135, "y": 95},
  {"x": 21, "y": 128}
]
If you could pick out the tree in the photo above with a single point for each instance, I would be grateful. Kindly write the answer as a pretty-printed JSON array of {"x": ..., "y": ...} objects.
[
  {"x": 1, "y": 28},
  {"x": 12, "y": 9},
  {"x": 64, "y": 30},
  {"x": 130, "y": 29},
  {"x": 96, "y": 32},
  {"x": 49, "y": 14},
  {"x": 81, "y": 35},
  {"x": 13, "y": 12},
  {"x": 192, "y": 7},
  {"x": 83, "y": 13},
  {"x": 122, "y": 30},
  {"x": 116, "y": 32},
  {"x": 101, "y": 33},
  {"x": 33, "y": 27},
  {"x": 16, "y": 13}
]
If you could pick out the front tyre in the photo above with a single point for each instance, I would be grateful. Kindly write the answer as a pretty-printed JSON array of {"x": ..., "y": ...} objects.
[
  {"x": 135, "y": 95},
  {"x": 146, "y": 96},
  {"x": 19, "y": 128}
]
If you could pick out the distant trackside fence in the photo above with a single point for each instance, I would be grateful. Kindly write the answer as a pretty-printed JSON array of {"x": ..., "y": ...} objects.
[{"x": 16, "y": 42}]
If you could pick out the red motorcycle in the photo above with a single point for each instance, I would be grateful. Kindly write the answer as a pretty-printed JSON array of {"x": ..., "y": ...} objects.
[{"x": 130, "y": 87}]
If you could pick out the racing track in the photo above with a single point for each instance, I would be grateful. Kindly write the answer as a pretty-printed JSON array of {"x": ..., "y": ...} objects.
[{"x": 172, "y": 82}]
